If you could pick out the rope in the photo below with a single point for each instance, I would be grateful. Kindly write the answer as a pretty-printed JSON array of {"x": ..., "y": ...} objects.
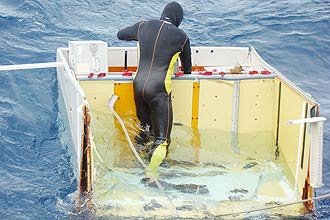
[
  {"x": 94, "y": 147},
  {"x": 276, "y": 206},
  {"x": 110, "y": 104}
]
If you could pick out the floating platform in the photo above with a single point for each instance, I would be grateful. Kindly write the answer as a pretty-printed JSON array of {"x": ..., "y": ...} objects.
[{"x": 244, "y": 136}]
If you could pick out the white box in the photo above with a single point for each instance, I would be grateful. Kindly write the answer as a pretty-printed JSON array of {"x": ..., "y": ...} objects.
[{"x": 86, "y": 57}]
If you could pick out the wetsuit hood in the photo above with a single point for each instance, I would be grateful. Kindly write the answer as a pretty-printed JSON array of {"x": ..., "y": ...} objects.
[{"x": 173, "y": 13}]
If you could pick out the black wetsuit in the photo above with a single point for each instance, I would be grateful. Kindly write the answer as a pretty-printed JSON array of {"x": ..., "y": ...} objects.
[{"x": 161, "y": 42}]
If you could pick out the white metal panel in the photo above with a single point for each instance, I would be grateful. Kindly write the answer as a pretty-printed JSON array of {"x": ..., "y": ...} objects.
[
  {"x": 217, "y": 56},
  {"x": 201, "y": 56},
  {"x": 316, "y": 154},
  {"x": 116, "y": 56},
  {"x": 316, "y": 150},
  {"x": 74, "y": 98},
  {"x": 87, "y": 57}
]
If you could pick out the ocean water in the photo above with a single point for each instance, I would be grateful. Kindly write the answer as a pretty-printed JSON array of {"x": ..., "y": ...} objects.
[{"x": 36, "y": 176}]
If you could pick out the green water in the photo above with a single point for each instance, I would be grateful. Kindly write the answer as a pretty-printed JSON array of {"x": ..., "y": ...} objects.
[{"x": 231, "y": 173}]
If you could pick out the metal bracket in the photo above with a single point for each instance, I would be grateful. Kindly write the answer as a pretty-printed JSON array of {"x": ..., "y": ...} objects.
[
  {"x": 235, "y": 110},
  {"x": 316, "y": 151}
]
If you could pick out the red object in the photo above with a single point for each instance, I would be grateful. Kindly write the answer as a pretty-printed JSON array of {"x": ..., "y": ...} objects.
[
  {"x": 222, "y": 74},
  {"x": 90, "y": 75},
  {"x": 127, "y": 73},
  {"x": 178, "y": 74},
  {"x": 265, "y": 72},
  {"x": 252, "y": 72},
  {"x": 205, "y": 73},
  {"x": 100, "y": 75}
]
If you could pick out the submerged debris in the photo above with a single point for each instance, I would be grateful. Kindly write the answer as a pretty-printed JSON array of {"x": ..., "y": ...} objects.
[
  {"x": 249, "y": 158},
  {"x": 188, "y": 164},
  {"x": 184, "y": 188},
  {"x": 214, "y": 165},
  {"x": 191, "y": 188},
  {"x": 170, "y": 162},
  {"x": 244, "y": 191},
  {"x": 178, "y": 174},
  {"x": 185, "y": 208},
  {"x": 249, "y": 165},
  {"x": 235, "y": 197},
  {"x": 152, "y": 205},
  {"x": 237, "y": 194},
  {"x": 273, "y": 203}
]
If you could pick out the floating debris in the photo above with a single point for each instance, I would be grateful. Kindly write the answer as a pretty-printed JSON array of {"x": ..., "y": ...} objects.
[
  {"x": 244, "y": 191},
  {"x": 249, "y": 165},
  {"x": 184, "y": 188},
  {"x": 235, "y": 197},
  {"x": 179, "y": 174},
  {"x": 152, "y": 205},
  {"x": 185, "y": 208}
]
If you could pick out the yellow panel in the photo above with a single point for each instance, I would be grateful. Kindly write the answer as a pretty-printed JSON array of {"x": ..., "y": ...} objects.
[
  {"x": 125, "y": 102},
  {"x": 256, "y": 105},
  {"x": 182, "y": 92},
  {"x": 290, "y": 136},
  {"x": 215, "y": 105},
  {"x": 195, "y": 105},
  {"x": 98, "y": 92},
  {"x": 257, "y": 144}
]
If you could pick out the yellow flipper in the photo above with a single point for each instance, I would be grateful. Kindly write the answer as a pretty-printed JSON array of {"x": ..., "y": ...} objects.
[{"x": 156, "y": 159}]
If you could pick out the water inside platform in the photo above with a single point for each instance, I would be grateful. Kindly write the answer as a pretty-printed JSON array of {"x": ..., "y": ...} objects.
[{"x": 207, "y": 174}]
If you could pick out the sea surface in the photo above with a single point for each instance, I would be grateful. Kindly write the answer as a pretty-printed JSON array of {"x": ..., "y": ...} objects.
[{"x": 36, "y": 176}]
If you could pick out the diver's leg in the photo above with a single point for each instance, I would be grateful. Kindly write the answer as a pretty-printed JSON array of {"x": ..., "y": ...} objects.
[
  {"x": 162, "y": 116},
  {"x": 144, "y": 115},
  {"x": 162, "y": 119},
  {"x": 142, "y": 110}
]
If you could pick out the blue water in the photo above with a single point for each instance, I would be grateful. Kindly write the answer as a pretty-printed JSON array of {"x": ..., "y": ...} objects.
[{"x": 36, "y": 176}]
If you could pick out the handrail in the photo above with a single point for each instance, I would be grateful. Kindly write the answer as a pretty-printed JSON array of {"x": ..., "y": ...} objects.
[
  {"x": 70, "y": 73},
  {"x": 31, "y": 66},
  {"x": 192, "y": 76}
]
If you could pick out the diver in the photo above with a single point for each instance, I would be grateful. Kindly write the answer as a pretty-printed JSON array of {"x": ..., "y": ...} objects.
[{"x": 160, "y": 44}]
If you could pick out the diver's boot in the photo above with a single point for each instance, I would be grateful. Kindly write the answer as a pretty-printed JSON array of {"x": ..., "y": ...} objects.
[{"x": 157, "y": 155}]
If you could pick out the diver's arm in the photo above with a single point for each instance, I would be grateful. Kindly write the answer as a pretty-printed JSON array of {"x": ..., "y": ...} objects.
[
  {"x": 129, "y": 33},
  {"x": 185, "y": 57}
]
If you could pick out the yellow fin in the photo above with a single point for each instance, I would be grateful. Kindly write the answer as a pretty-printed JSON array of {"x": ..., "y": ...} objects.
[{"x": 157, "y": 158}]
